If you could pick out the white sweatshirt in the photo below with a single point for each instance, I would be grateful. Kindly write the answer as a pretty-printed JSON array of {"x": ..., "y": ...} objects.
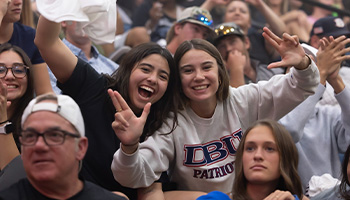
[{"x": 199, "y": 155}]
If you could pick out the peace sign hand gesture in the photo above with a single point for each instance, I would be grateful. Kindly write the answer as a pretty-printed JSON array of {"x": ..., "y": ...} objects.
[{"x": 126, "y": 125}]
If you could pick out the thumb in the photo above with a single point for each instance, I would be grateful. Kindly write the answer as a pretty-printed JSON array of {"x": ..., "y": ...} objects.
[
  {"x": 275, "y": 65},
  {"x": 8, "y": 104},
  {"x": 145, "y": 112}
]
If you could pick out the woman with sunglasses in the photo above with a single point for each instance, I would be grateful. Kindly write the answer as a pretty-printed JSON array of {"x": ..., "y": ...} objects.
[
  {"x": 200, "y": 153},
  {"x": 16, "y": 90}
]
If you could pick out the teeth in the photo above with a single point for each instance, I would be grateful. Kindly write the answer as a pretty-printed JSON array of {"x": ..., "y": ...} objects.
[
  {"x": 200, "y": 87},
  {"x": 148, "y": 89},
  {"x": 11, "y": 86}
]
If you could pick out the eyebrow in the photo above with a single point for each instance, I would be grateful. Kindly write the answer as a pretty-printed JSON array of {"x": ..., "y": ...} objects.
[
  {"x": 265, "y": 142},
  {"x": 203, "y": 63},
  {"x": 15, "y": 63},
  {"x": 151, "y": 66}
]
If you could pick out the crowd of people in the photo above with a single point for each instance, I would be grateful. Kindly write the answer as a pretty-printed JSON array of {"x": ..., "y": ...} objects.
[{"x": 200, "y": 99}]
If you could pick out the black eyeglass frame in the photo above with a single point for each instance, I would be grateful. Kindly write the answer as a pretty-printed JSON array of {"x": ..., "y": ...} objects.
[
  {"x": 38, "y": 134},
  {"x": 14, "y": 65}
]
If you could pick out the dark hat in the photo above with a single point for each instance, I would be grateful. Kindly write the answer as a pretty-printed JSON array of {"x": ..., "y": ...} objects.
[
  {"x": 228, "y": 28},
  {"x": 330, "y": 26}
]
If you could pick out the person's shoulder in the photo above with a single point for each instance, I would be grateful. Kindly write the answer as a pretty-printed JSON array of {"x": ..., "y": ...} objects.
[
  {"x": 93, "y": 191},
  {"x": 16, "y": 190}
]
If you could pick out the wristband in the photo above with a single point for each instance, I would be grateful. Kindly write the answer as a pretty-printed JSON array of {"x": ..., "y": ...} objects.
[{"x": 4, "y": 121}]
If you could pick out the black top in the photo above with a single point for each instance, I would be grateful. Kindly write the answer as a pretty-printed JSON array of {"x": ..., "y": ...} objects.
[
  {"x": 23, "y": 190},
  {"x": 89, "y": 90}
]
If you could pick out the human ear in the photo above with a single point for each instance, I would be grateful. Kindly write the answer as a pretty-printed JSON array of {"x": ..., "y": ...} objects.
[{"x": 82, "y": 146}]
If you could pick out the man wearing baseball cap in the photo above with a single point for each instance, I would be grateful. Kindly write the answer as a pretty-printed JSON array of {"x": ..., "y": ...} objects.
[
  {"x": 194, "y": 22},
  {"x": 53, "y": 147},
  {"x": 327, "y": 26},
  {"x": 233, "y": 45}
]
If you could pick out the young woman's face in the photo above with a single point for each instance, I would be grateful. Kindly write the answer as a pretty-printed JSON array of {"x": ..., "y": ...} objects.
[
  {"x": 238, "y": 12},
  {"x": 199, "y": 74},
  {"x": 261, "y": 157},
  {"x": 16, "y": 87},
  {"x": 148, "y": 81}
]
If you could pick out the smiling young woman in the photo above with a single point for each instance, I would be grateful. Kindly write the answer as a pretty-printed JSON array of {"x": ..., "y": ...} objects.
[
  {"x": 146, "y": 74},
  {"x": 200, "y": 153}
]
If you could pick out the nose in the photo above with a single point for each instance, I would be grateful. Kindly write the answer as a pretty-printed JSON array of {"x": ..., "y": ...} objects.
[
  {"x": 9, "y": 75},
  {"x": 40, "y": 143},
  {"x": 17, "y": 2},
  {"x": 199, "y": 75},
  {"x": 258, "y": 154},
  {"x": 152, "y": 78}
]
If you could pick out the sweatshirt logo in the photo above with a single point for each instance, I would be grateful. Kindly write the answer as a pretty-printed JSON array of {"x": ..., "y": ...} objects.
[{"x": 213, "y": 151}]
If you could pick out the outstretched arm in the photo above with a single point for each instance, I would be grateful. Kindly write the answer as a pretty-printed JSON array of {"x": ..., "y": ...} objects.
[
  {"x": 55, "y": 53},
  {"x": 8, "y": 148}
]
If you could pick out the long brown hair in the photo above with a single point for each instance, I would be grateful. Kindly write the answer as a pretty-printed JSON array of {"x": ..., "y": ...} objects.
[
  {"x": 161, "y": 109},
  {"x": 288, "y": 154},
  {"x": 203, "y": 45},
  {"x": 20, "y": 104}
]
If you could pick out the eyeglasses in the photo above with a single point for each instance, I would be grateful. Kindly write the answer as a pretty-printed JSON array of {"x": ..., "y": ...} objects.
[
  {"x": 19, "y": 70},
  {"x": 51, "y": 137},
  {"x": 224, "y": 30}
]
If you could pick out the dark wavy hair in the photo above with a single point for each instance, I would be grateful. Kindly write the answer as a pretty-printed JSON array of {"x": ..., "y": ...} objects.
[
  {"x": 288, "y": 154},
  {"x": 167, "y": 104},
  {"x": 344, "y": 184},
  {"x": 20, "y": 104},
  {"x": 203, "y": 45}
]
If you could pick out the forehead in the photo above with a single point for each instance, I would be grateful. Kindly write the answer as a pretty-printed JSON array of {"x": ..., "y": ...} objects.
[
  {"x": 195, "y": 56},
  {"x": 229, "y": 38},
  {"x": 42, "y": 120},
  {"x": 10, "y": 57},
  {"x": 155, "y": 60},
  {"x": 260, "y": 133},
  {"x": 238, "y": 4},
  {"x": 203, "y": 28}
]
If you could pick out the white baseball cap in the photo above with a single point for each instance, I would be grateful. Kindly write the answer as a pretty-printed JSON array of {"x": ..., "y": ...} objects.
[{"x": 65, "y": 107}]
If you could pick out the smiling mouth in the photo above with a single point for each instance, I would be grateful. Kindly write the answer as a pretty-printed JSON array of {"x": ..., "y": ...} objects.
[
  {"x": 12, "y": 86},
  {"x": 202, "y": 87},
  {"x": 145, "y": 91}
]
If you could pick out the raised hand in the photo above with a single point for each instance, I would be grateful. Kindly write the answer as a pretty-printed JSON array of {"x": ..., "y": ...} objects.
[
  {"x": 291, "y": 52},
  {"x": 236, "y": 61},
  {"x": 3, "y": 101},
  {"x": 330, "y": 55},
  {"x": 126, "y": 125},
  {"x": 4, "y": 4}
]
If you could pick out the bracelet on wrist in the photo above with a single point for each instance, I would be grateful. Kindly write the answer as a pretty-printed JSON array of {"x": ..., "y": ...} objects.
[{"x": 4, "y": 122}]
